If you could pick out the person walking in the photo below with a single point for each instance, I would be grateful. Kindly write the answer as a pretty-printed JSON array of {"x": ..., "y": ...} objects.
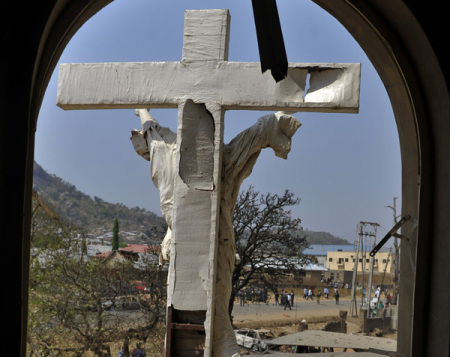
[
  {"x": 318, "y": 296},
  {"x": 283, "y": 297},
  {"x": 336, "y": 296},
  {"x": 241, "y": 298},
  {"x": 288, "y": 301},
  {"x": 276, "y": 297},
  {"x": 292, "y": 297},
  {"x": 377, "y": 292},
  {"x": 310, "y": 294}
]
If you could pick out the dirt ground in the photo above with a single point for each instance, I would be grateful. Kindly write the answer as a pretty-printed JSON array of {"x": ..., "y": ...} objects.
[
  {"x": 287, "y": 321},
  {"x": 280, "y": 321},
  {"x": 316, "y": 316}
]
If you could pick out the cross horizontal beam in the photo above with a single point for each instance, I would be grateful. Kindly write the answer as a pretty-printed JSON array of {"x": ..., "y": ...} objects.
[{"x": 332, "y": 87}]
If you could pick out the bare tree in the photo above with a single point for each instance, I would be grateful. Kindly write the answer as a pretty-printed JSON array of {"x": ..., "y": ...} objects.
[
  {"x": 79, "y": 303},
  {"x": 269, "y": 241}
]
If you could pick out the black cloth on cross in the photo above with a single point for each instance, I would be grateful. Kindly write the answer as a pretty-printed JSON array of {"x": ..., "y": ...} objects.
[{"x": 272, "y": 52}]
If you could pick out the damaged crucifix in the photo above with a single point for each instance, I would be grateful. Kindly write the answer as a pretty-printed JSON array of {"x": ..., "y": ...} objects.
[{"x": 199, "y": 176}]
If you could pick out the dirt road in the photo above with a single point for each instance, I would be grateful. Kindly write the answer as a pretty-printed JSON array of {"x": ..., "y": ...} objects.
[{"x": 309, "y": 310}]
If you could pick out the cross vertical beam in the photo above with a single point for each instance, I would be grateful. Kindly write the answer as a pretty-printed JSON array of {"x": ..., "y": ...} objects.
[{"x": 197, "y": 188}]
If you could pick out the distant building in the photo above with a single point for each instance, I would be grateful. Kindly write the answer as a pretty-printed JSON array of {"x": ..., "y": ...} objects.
[
  {"x": 341, "y": 265},
  {"x": 346, "y": 261},
  {"x": 339, "y": 261},
  {"x": 132, "y": 253},
  {"x": 320, "y": 251},
  {"x": 303, "y": 274},
  {"x": 310, "y": 274}
]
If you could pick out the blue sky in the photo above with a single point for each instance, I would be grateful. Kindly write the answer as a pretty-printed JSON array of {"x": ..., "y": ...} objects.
[{"x": 344, "y": 167}]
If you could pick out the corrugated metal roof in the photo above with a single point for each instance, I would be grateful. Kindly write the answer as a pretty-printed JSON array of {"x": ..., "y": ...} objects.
[
  {"x": 307, "y": 266},
  {"x": 311, "y": 267},
  {"x": 323, "y": 249}
]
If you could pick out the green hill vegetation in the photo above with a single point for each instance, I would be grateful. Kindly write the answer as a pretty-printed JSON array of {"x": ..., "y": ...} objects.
[
  {"x": 94, "y": 214},
  {"x": 323, "y": 238}
]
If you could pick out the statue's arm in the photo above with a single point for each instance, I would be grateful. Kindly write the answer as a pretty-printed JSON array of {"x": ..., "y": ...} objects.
[
  {"x": 147, "y": 120},
  {"x": 240, "y": 155},
  {"x": 272, "y": 130}
]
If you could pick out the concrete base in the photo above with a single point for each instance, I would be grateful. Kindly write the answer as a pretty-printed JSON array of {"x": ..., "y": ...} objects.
[{"x": 369, "y": 324}]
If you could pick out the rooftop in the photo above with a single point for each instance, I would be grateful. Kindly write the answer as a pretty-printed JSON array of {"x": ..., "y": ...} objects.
[
  {"x": 323, "y": 249},
  {"x": 132, "y": 248}
]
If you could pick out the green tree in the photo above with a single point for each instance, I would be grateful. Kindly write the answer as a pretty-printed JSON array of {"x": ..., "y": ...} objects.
[
  {"x": 115, "y": 238},
  {"x": 269, "y": 241}
]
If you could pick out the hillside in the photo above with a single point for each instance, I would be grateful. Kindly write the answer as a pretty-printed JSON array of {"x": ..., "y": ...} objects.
[
  {"x": 323, "y": 238},
  {"x": 94, "y": 214},
  {"x": 97, "y": 216}
]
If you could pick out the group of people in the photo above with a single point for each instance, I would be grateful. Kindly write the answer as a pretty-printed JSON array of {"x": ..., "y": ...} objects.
[
  {"x": 139, "y": 351},
  {"x": 254, "y": 295},
  {"x": 309, "y": 294},
  {"x": 336, "y": 284},
  {"x": 380, "y": 306},
  {"x": 286, "y": 298}
]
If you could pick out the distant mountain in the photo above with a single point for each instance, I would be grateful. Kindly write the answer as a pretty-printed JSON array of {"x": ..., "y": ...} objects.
[
  {"x": 94, "y": 214},
  {"x": 97, "y": 216},
  {"x": 323, "y": 238}
]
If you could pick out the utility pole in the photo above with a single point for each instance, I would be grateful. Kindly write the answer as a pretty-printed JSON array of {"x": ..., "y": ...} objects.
[
  {"x": 364, "y": 233},
  {"x": 372, "y": 262},
  {"x": 384, "y": 275},
  {"x": 396, "y": 256},
  {"x": 353, "y": 305},
  {"x": 363, "y": 268}
]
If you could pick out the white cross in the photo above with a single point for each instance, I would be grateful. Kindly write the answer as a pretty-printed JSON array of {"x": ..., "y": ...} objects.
[{"x": 204, "y": 77}]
